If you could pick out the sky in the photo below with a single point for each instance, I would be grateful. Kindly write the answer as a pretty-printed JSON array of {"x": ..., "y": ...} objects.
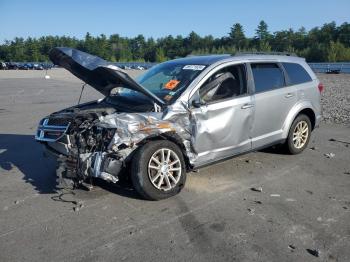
[{"x": 159, "y": 18}]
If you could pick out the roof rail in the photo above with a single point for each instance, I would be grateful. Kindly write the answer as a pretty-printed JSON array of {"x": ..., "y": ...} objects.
[{"x": 265, "y": 53}]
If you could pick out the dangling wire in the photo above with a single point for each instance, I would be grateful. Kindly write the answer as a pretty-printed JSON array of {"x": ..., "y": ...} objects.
[{"x": 82, "y": 89}]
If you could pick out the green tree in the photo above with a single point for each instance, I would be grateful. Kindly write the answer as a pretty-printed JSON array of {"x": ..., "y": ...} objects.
[
  {"x": 262, "y": 32},
  {"x": 326, "y": 43},
  {"x": 337, "y": 52},
  {"x": 237, "y": 36},
  {"x": 160, "y": 56}
]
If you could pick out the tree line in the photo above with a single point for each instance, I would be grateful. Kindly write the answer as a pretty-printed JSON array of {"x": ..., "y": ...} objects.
[{"x": 328, "y": 43}]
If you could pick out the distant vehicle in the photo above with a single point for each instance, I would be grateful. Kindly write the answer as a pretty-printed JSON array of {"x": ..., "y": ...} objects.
[
  {"x": 29, "y": 65},
  {"x": 333, "y": 71},
  {"x": 12, "y": 65},
  {"x": 22, "y": 66},
  {"x": 140, "y": 68},
  {"x": 47, "y": 66},
  {"x": 179, "y": 116},
  {"x": 3, "y": 66},
  {"x": 38, "y": 67}
]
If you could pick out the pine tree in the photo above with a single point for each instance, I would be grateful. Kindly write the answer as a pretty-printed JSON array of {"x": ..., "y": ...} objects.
[{"x": 237, "y": 36}]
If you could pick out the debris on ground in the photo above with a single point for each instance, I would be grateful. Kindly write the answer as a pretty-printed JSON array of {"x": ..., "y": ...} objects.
[
  {"x": 251, "y": 211},
  {"x": 347, "y": 173},
  {"x": 258, "y": 202},
  {"x": 313, "y": 148},
  {"x": 256, "y": 189},
  {"x": 340, "y": 141},
  {"x": 314, "y": 252},
  {"x": 248, "y": 161},
  {"x": 275, "y": 195},
  {"x": 16, "y": 202},
  {"x": 309, "y": 191},
  {"x": 329, "y": 155},
  {"x": 291, "y": 247},
  {"x": 78, "y": 206}
]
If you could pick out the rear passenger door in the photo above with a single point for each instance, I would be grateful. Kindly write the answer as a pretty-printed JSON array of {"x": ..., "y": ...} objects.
[{"x": 273, "y": 101}]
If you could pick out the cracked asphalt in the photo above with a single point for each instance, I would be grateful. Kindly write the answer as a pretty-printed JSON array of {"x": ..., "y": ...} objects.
[{"x": 301, "y": 214}]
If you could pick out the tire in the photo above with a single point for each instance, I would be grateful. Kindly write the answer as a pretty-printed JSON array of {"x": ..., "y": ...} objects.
[
  {"x": 292, "y": 145},
  {"x": 143, "y": 169}
]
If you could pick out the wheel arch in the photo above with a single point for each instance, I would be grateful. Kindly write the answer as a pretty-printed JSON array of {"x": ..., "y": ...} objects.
[
  {"x": 301, "y": 108},
  {"x": 172, "y": 137}
]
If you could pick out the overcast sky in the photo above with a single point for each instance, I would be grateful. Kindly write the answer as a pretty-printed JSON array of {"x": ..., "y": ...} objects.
[{"x": 158, "y": 18}]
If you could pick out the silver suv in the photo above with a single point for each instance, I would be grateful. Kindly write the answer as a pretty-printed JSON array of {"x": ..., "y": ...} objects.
[{"x": 179, "y": 116}]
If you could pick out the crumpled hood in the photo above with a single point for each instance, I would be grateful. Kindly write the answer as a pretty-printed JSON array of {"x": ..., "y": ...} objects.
[{"x": 98, "y": 73}]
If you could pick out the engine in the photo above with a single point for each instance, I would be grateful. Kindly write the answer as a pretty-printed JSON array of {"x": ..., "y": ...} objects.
[{"x": 81, "y": 147}]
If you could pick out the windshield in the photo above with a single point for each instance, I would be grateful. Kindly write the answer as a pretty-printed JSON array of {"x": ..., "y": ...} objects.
[{"x": 167, "y": 80}]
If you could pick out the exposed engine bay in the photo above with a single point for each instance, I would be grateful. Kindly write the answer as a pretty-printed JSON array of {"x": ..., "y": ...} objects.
[{"x": 82, "y": 146}]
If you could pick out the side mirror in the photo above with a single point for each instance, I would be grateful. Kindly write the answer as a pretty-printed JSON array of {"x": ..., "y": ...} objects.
[{"x": 197, "y": 103}]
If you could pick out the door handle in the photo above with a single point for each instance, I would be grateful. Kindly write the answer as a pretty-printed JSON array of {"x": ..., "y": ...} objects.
[
  {"x": 246, "y": 106},
  {"x": 289, "y": 95}
]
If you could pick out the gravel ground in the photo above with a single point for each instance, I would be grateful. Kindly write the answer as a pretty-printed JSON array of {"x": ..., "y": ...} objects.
[{"x": 336, "y": 98}]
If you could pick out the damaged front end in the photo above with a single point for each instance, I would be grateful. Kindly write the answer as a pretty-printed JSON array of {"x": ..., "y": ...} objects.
[
  {"x": 99, "y": 145},
  {"x": 98, "y": 139},
  {"x": 81, "y": 147}
]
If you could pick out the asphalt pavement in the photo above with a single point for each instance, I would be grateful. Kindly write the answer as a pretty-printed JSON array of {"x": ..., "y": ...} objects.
[{"x": 263, "y": 206}]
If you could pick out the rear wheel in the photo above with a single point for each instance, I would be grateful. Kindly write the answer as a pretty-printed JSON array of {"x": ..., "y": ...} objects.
[
  {"x": 158, "y": 170},
  {"x": 299, "y": 134}
]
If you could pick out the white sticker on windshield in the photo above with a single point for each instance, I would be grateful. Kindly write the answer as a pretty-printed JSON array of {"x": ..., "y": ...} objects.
[{"x": 194, "y": 67}]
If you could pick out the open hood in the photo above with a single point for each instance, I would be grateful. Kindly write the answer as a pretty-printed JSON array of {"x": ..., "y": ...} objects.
[{"x": 98, "y": 73}]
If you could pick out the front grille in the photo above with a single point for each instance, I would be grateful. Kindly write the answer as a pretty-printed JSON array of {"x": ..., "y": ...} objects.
[
  {"x": 52, "y": 129},
  {"x": 58, "y": 121}
]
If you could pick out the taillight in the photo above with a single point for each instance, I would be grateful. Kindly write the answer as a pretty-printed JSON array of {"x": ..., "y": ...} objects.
[{"x": 320, "y": 87}]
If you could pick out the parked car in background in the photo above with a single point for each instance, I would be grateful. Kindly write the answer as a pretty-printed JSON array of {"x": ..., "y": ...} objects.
[
  {"x": 179, "y": 116},
  {"x": 38, "y": 67},
  {"x": 3, "y": 66},
  {"x": 12, "y": 65}
]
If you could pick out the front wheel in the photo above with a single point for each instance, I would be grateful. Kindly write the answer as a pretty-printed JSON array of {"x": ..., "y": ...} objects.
[
  {"x": 158, "y": 170},
  {"x": 299, "y": 134}
]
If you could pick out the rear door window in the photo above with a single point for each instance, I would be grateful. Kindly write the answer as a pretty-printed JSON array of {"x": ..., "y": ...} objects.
[
  {"x": 296, "y": 73},
  {"x": 267, "y": 76}
]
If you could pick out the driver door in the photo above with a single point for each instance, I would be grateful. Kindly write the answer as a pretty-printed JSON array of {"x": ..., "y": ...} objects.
[{"x": 222, "y": 111}]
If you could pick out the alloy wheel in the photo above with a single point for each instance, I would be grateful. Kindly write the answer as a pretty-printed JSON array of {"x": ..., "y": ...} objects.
[
  {"x": 300, "y": 134},
  {"x": 164, "y": 169}
]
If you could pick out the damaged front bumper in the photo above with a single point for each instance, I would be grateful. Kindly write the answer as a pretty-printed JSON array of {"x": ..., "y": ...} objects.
[
  {"x": 80, "y": 149},
  {"x": 100, "y": 145}
]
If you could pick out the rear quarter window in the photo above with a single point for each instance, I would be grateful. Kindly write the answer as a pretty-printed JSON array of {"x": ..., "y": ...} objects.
[
  {"x": 296, "y": 73},
  {"x": 267, "y": 76}
]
